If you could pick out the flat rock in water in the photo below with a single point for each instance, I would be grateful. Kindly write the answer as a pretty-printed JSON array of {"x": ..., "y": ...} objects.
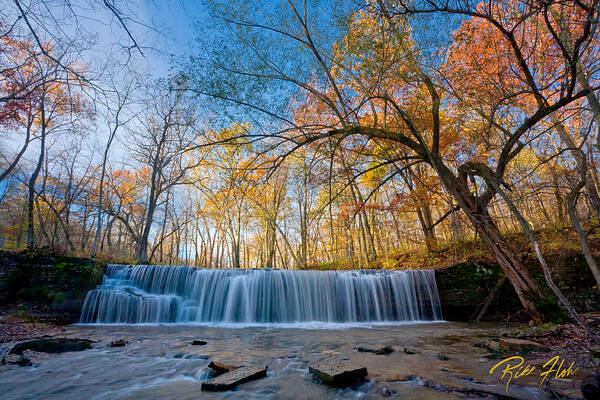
[
  {"x": 381, "y": 350},
  {"x": 221, "y": 368},
  {"x": 337, "y": 374},
  {"x": 231, "y": 379},
  {"x": 521, "y": 345},
  {"x": 119, "y": 343},
  {"x": 55, "y": 345}
]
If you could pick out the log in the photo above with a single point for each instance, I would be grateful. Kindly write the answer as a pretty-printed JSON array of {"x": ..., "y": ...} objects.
[{"x": 229, "y": 380}]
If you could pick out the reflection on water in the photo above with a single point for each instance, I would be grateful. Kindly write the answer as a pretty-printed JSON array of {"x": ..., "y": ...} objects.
[{"x": 159, "y": 363}]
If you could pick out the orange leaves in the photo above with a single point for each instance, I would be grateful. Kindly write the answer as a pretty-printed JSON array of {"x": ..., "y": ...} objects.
[{"x": 128, "y": 186}]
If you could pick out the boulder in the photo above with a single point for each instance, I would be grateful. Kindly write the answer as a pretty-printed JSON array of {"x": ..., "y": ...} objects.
[
  {"x": 337, "y": 374},
  {"x": 119, "y": 343},
  {"x": 229, "y": 380},
  {"x": 521, "y": 345},
  {"x": 52, "y": 345}
]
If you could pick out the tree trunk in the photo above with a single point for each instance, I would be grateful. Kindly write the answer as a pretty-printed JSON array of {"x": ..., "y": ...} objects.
[
  {"x": 513, "y": 268},
  {"x": 536, "y": 247},
  {"x": 33, "y": 178}
]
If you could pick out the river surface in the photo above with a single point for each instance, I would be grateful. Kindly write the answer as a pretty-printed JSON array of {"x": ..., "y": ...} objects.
[{"x": 160, "y": 363}]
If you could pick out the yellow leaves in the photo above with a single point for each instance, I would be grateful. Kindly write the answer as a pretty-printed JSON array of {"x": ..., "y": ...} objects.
[{"x": 129, "y": 187}]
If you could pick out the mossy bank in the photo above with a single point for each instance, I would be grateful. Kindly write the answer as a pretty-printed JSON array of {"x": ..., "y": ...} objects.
[{"x": 42, "y": 279}]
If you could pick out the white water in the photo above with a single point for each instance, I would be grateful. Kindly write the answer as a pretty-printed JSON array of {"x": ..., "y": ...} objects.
[{"x": 146, "y": 294}]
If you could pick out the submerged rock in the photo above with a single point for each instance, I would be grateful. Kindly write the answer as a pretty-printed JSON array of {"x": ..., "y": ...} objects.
[
  {"x": 381, "y": 350},
  {"x": 410, "y": 351},
  {"x": 231, "y": 379},
  {"x": 119, "y": 343},
  {"x": 53, "y": 345},
  {"x": 521, "y": 345},
  {"x": 336, "y": 374},
  {"x": 198, "y": 342},
  {"x": 443, "y": 357}
]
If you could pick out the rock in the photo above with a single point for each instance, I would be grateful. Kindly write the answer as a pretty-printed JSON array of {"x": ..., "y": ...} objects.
[
  {"x": 385, "y": 350},
  {"x": 443, "y": 357},
  {"x": 231, "y": 379},
  {"x": 595, "y": 351},
  {"x": 119, "y": 343},
  {"x": 16, "y": 359},
  {"x": 590, "y": 387},
  {"x": 198, "y": 343},
  {"x": 489, "y": 345},
  {"x": 385, "y": 392},
  {"x": 179, "y": 355},
  {"x": 54, "y": 345},
  {"x": 336, "y": 374},
  {"x": 521, "y": 345},
  {"x": 409, "y": 351},
  {"x": 547, "y": 329},
  {"x": 35, "y": 355},
  {"x": 380, "y": 351},
  {"x": 221, "y": 368}
]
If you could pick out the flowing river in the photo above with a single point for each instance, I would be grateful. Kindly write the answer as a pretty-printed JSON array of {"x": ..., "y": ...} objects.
[{"x": 160, "y": 363}]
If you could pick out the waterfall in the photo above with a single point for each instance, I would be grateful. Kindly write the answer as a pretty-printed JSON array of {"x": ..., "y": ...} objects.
[{"x": 164, "y": 294}]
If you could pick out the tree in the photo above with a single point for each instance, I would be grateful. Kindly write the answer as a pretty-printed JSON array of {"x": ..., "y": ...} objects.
[
  {"x": 168, "y": 133},
  {"x": 405, "y": 83}
]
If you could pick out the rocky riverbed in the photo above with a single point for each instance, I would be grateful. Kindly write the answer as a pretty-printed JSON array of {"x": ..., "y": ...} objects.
[{"x": 429, "y": 361}]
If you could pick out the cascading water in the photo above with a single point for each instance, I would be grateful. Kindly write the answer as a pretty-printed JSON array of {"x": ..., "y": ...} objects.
[{"x": 161, "y": 294}]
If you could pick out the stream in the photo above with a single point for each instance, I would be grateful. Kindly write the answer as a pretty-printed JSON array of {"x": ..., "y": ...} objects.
[{"x": 160, "y": 363}]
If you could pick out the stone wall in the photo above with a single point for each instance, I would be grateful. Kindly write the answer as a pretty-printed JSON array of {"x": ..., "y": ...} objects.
[
  {"x": 464, "y": 288},
  {"x": 46, "y": 279}
]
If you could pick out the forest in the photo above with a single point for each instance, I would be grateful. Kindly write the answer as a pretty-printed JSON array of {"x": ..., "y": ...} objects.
[{"x": 304, "y": 136}]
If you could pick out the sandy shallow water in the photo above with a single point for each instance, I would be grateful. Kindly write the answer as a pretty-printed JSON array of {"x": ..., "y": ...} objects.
[{"x": 160, "y": 363}]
